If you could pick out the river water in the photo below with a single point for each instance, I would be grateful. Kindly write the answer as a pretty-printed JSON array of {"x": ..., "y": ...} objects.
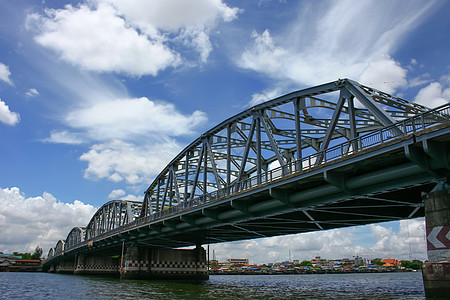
[{"x": 322, "y": 286}]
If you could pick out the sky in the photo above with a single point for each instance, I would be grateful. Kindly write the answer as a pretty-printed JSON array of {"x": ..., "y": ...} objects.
[{"x": 97, "y": 96}]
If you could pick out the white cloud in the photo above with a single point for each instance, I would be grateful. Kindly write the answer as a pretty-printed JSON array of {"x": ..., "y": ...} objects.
[
  {"x": 190, "y": 22},
  {"x": 42, "y": 220},
  {"x": 6, "y": 116},
  {"x": 385, "y": 74},
  {"x": 100, "y": 40},
  {"x": 406, "y": 243},
  {"x": 117, "y": 160},
  {"x": 433, "y": 95},
  {"x": 121, "y": 195},
  {"x": 32, "y": 93},
  {"x": 132, "y": 118},
  {"x": 135, "y": 37},
  {"x": 317, "y": 50},
  {"x": 175, "y": 14},
  {"x": 265, "y": 96},
  {"x": 116, "y": 194},
  {"x": 5, "y": 73},
  {"x": 64, "y": 137}
]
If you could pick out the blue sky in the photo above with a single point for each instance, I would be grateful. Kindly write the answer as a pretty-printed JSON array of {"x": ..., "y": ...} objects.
[{"x": 98, "y": 95}]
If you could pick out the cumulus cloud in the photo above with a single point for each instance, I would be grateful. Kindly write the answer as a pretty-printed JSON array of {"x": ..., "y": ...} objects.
[
  {"x": 433, "y": 95},
  {"x": 5, "y": 73},
  {"x": 121, "y": 195},
  {"x": 116, "y": 194},
  {"x": 370, "y": 241},
  {"x": 190, "y": 22},
  {"x": 42, "y": 220},
  {"x": 317, "y": 50},
  {"x": 135, "y": 37},
  {"x": 6, "y": 116},
  {"x": 132, "y": 118},
  {"x": 99, "y": 40},
  {"x": 385, "y": 74},
  {"x": 117, "y": 160},
  {"x": 175, "y": 14}
]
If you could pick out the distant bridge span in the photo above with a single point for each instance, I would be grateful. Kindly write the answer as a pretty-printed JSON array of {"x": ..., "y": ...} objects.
[{"x": 335, "y": 155}]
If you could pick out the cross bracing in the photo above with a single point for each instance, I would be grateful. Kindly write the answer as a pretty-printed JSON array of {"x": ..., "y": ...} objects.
[
  {"x": 336, "y": 155},
  {"x": 276, "y": 133},
  {"x": 112, "y": 215}
]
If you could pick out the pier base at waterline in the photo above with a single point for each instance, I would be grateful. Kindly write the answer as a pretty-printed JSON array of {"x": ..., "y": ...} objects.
[
  {"x": 97, "y": 265},
  {"x": 161, "y": 263},
  {"x": 436, "y": 271}
]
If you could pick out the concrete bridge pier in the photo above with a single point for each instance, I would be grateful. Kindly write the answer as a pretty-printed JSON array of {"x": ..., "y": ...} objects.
[
  {"x": 97, "y": 265},
  {"x": 436, "y": 272},
  {"x": 143, "y": 262},
  {"x": 66, "y": 266}
]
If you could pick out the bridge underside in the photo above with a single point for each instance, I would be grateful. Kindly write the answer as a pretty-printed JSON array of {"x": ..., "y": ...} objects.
[{"x": 377, "y": 185}]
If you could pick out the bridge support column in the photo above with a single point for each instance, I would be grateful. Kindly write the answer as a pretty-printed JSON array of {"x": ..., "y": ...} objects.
[
  {"x": 160, "y": 263},
  {"x": 436, "y": 272},
  {"x": 66, "y": 266},
  {"x": 97, "y": 265}
]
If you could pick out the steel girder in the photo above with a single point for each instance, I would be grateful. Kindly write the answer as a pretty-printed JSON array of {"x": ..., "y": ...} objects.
[
  {"x": 51, "y": 253},
  {"x": 75, "y": 236},
  {"x": 112, "y": 215},
  {"x": 355, "y": 164},
  {"x": 273, "y": 134},
  {"x": 59, "y": 248}
]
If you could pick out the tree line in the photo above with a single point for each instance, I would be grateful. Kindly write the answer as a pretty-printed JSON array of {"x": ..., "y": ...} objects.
[{"x": 36, "y": 255}]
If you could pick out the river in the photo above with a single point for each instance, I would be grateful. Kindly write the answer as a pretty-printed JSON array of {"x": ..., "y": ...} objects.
[{"x": 322, "y": 286}]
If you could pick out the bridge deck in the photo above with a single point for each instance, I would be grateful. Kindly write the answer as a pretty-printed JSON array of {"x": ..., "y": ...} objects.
[
  {"x": 380, "y": 173},
  {"x": 375, "y": 185}
]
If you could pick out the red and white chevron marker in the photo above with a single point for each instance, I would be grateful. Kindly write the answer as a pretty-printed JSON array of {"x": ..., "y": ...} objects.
[{"x": 438, "y": 237}]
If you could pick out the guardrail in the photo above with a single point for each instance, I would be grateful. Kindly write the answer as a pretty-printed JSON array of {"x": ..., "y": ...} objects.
[{"x": 414, "y": 124}]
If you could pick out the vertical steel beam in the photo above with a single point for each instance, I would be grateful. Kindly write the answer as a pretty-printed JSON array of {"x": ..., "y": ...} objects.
[
  {"x": 170, "y": 183},
  {"x": 129, "y": 213},
  {"x": 351, "y": 115},
  {"x": 228, "y": 156},
  {"x": 186, "y": 176},
  {"x": 157, "y": 195},
  {"x": 205, "y": 167},
  {"x": 258, "y": 151},
  {"x": 299, "y": 103}
]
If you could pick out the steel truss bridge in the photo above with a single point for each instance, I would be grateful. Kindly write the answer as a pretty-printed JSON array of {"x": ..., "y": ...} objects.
[{"x": 330, "y": 156}]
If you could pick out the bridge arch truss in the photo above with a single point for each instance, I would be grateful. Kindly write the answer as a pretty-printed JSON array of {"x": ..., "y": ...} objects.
[
  {"x": 112, "y": 215},
  {"x": 299, "y": 128}
]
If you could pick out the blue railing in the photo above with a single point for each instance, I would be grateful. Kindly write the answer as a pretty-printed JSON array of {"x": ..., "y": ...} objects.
[{"x": 385, "y": 135}]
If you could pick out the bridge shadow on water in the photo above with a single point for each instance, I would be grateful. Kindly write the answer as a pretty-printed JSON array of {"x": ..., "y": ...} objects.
[{"x": 323, "y": 286}]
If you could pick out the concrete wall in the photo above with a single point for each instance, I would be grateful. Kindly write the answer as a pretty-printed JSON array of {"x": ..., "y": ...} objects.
[
  {"x": 97, "y": 265},
  {"x": 160, "y": 263}
]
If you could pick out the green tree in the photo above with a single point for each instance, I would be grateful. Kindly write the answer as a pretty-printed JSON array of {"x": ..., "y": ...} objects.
[
  {"x": 377, "y": 261},
  {"x": 306, "y": 263},
  {"x": 37, "y": 253},
  {"x": 23, "y": 255},
  {"x": 415, "y": 264}
]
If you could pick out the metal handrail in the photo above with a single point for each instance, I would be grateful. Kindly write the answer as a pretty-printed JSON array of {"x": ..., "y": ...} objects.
[{"x": 378, "y": 137}]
